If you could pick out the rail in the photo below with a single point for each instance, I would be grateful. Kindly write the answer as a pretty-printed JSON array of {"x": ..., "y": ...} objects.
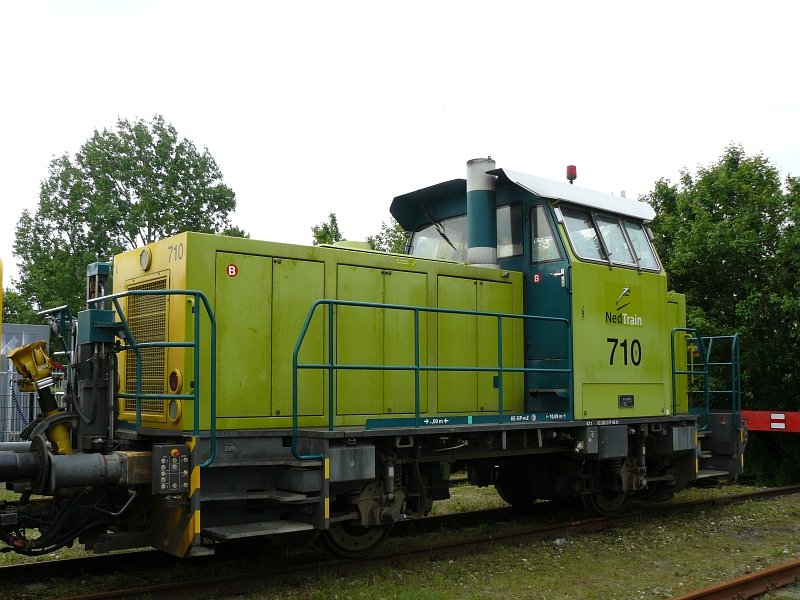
[
  {"x": 332, "y": 366},
  {"x": 132, "y": 344},
  {"x": 705, "y": 346}
]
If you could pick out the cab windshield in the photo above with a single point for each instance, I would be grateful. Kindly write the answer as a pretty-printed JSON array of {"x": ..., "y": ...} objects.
[
  {"x": 609, "y": 238},
  {"x": 447, "y": 239}
]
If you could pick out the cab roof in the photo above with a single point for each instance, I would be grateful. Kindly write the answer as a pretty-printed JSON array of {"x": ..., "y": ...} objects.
[
  {"x": 558, "y": 190},
  {"x": 408, "y": 209}
]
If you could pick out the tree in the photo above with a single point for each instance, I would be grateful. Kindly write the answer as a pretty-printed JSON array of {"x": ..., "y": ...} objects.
[
  {"x": 391, "y": 238},
  {"x": 125, "y": 187},
  {"x": 327, "y": 232},
  {"x": 17, "y": 310},
  {"x": 728, "y": 237},
  {"x": 719, "y": 232}
]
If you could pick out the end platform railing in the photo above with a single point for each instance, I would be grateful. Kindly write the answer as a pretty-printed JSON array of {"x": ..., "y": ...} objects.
[
  {"x": 705, "y": 346},
  {"x": 131, "y": 344}
]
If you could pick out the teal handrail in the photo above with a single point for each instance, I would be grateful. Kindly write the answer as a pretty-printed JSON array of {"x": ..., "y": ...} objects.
[
  {"x": 736, "y": 378},
  {"x": 331, "y": 366},
  {"x": 734, "y": 364},
  {"x": 705, "y": 346},
  {"x": 697, "y": 339},
  {"x": 132, "y": 344}
]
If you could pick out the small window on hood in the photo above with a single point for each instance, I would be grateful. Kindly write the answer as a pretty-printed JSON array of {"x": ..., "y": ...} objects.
[{"x": 509, "y": 231}]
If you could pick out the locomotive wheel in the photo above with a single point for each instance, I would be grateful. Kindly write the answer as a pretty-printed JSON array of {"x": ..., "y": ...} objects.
[
  {"x": 514, "y": 486},
  {"x": 516, "y": 493},
  {"x": 348, "y": 540},
  {"x": 606, "y": 503},
  {"x": 656, "y": 492}
]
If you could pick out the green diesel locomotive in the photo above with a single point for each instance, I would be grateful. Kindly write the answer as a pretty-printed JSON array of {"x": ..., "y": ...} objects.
[{"x": 229, "y": 388}]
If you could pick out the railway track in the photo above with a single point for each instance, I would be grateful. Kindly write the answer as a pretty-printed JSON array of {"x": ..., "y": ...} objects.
[
  {"x": 749, "y": 586},
  {"x": 315, "y": 565},
  {"x": 144, "y": 559}
]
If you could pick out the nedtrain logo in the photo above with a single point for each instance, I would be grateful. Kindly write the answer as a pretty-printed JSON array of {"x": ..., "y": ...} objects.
[
  {"x": 619, "y": 316},
  {"x": 626, "y": 292}
]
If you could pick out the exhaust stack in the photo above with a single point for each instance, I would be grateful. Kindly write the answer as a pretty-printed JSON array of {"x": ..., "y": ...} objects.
[{"x": 481, "y": 214}]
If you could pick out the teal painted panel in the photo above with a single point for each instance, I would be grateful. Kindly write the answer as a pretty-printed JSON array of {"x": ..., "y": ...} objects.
[
  {"x": 547, "y": 294},
  {"x": 451, "y": 421}
]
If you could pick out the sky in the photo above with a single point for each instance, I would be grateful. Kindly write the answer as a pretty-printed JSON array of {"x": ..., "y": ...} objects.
[{"x": 311, "y": 107}]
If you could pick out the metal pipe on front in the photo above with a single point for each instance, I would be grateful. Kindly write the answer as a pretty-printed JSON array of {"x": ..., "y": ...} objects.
[
  {"x": 481, "y": 214},
  {"x": 15, "y": 466},
  {"x": 15, "y": 446},
  {"x": 79, "y": 470}
]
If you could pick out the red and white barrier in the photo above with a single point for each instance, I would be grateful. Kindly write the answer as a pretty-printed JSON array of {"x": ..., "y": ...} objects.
[{"x": 772, "y": 420}]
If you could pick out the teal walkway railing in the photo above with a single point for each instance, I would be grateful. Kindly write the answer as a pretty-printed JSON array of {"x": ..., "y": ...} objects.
[
  {"x": 332, "y": 366},
  {"x": 705, "y": 349},
  {"x": 136, "y": 347}
]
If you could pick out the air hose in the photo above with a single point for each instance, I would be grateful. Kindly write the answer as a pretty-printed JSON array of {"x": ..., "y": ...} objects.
[{"x": 18, "y": 406}]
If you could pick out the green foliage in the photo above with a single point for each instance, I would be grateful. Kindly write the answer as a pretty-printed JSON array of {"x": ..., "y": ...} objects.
[
  {"x": 773, "y": 457},
  {"x": 17, "y": 310},
  {"x": 728, "y": 237},
  {"x": 391, "y": 238},
  {"x": 327, "y": 232},
  {"x": 124, "y": 187}
]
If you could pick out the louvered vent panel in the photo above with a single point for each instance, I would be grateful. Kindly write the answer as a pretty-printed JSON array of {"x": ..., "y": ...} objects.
[{"x": 147, "y": 316}]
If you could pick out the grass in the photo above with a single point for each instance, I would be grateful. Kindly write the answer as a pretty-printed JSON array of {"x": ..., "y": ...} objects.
[
  {"x": 467, "y": 498},
  {"x": 657, "y": 558}
]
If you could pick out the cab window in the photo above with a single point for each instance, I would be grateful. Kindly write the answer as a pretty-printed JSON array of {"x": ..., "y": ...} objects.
[
  {"x": 614, "y": 240},
  {"x": 582, "y": 234},
  {"x": 641, "y": 245},
  {"x": 446, "y": 239},
  {"x": 608, "y": 238},
  {"x": 543, "y": 243},
  {"x": 509, "y": 231}
]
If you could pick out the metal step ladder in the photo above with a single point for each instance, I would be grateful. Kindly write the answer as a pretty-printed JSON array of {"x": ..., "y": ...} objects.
[
  {"x": 293, "y": 499},
  {"x": 278, "y": 496},
  {"x": 226, "y": 533}
]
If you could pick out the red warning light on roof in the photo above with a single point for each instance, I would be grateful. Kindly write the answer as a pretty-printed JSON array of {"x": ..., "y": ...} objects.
[{"x": 572, "y": 173}]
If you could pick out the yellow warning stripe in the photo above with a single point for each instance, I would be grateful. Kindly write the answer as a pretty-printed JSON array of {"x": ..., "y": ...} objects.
[
  {"x": 194, "y": 486},
  {"x": 741, "y": 440},
  {"x": 327, "y": 468}
]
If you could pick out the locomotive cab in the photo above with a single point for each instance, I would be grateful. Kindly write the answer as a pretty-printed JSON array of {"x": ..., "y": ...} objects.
[
  {"x": 590, "y": 269},
  {"x": 608, "y": 346}
]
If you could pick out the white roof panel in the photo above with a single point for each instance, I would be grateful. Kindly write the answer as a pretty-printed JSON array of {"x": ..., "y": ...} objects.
[{"x": 557, "y": 190}]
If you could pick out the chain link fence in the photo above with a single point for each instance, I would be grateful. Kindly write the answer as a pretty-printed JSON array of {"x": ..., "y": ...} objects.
[{"x": 17, "y": 409}]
